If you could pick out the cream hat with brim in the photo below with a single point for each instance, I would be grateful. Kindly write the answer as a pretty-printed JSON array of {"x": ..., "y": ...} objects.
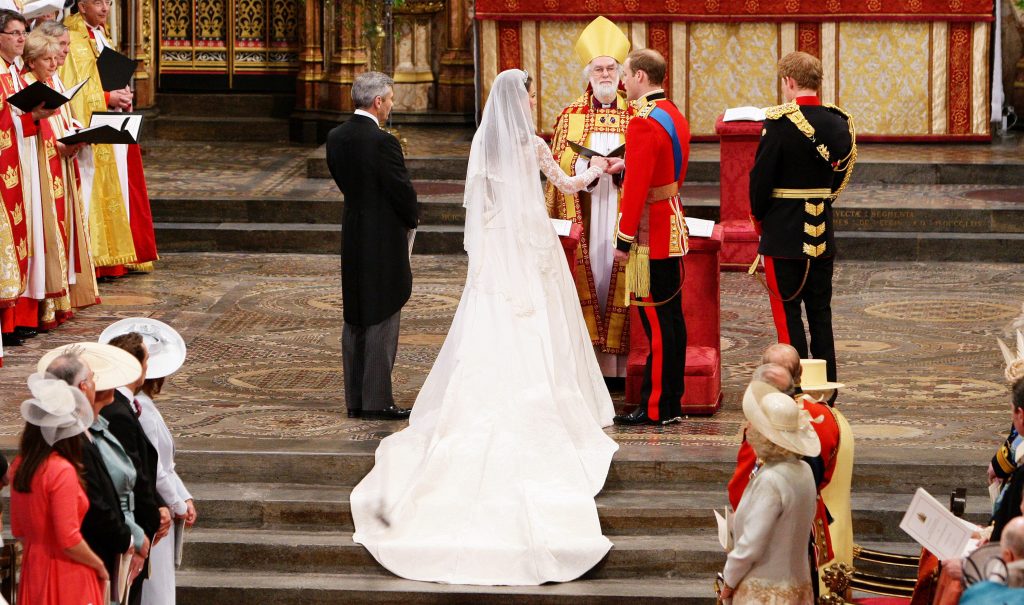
[
  {"x": 166, "y": 347},
  {"x": 113, "y": 367},
  {"x": 813, "y": 376},
  {"x": 776, "y": 416}
]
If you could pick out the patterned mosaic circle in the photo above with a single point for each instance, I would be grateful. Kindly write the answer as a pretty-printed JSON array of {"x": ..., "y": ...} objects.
[
  {"x": 926, "y": 388},
  {"x": 290, "y": 423},
  {"x": 864, "y": 346},
  {"x": 943, "y": 310},
  {"x": 289, "y": 380}
]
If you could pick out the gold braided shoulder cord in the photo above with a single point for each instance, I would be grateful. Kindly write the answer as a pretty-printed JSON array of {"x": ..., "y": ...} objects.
[
  {"x": 777, "y": 111},
  {"x": 846, "y": 164}
]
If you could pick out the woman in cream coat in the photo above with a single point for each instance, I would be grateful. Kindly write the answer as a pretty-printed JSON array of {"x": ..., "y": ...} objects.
[{"x": 769, "y": 564}]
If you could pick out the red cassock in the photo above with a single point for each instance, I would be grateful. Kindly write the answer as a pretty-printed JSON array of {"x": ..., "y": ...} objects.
[{"x": 828, "y": 435}]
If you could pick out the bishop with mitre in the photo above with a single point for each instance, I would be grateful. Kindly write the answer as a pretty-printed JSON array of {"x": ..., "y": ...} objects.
[{"x": 596, "y": 122}]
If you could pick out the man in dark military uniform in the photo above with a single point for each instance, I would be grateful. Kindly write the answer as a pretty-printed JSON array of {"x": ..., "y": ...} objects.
[
  {"x": 651, "y": 234},
  {"x": 803, "y": 162}
]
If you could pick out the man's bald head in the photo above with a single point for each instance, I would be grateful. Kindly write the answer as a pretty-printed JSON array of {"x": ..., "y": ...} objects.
[
  {"x": 1012, "y": 540},
  {"x": 786, "y": 356},
  {"x": 775, "y": 375}
]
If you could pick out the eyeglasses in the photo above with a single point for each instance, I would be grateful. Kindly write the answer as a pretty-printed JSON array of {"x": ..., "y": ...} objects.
[
  {"x": 102, "y": 2},
  {"x": 16, "y": 34},
  {"x": 605, "y": 70}
]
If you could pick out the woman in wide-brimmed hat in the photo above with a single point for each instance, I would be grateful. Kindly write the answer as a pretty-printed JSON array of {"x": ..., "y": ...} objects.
[
  {"x": 769, "y": 563},
  {"x": 48, "y": 501}
]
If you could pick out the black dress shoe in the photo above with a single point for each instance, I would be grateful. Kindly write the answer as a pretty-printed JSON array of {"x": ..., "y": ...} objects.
[
  {"x": 635, "y": 418},
  {"x": 355, "y": 412},
  {"x": 392, "y": 412},
  {"x": 11, "y": 340},
  {"x": 21, "y": 332}
]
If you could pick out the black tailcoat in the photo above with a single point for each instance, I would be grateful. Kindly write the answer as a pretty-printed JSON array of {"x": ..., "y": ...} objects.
[
  {"x": 126, "y": 428},
  {"x": 380, "y": 209}
]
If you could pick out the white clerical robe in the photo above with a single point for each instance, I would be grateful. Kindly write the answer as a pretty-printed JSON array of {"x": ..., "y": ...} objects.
[{"x": 604, "y": 216}]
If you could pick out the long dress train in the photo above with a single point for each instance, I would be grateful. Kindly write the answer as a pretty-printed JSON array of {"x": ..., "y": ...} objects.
[{"x": 493, "y": 482}]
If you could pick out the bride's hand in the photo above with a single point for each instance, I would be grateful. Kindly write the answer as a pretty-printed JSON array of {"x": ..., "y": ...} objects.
[{"x": 599, "y": 162}]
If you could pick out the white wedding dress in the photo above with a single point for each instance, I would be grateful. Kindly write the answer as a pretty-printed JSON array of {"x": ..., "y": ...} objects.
[{"x": 493, "y": 482}]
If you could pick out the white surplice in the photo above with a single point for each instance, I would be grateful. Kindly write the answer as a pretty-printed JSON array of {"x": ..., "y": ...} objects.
[
  {"x": 493, "y": 482},
  {"x": 159, "y": 588}
]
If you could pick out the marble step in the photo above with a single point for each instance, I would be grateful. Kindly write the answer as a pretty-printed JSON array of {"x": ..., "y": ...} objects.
[
  {"x": 226, "y": 105},
  {"x": 707, "y": 170},
  {"x": 669, "y": 468},
  {"x": 262, "y": 550},
  {"x": 308, "y": 238},
  {"x": 217, "y": 587},
  {"x": 876, "y": 516},
  {"x": 441, "y": 204},
  {"x": 240, "y": 129}
]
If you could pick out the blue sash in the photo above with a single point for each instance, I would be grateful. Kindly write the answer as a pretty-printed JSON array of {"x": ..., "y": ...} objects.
[{"x": 662, "y": 117}]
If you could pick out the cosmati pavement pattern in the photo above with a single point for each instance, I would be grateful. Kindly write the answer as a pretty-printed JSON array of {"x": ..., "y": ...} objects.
[{"x": 916, "y": 347}]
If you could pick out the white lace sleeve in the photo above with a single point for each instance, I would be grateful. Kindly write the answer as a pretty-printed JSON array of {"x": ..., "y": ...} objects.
[{"x": 555, "y": 174}]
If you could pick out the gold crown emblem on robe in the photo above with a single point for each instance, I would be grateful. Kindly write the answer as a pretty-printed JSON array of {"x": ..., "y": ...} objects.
[
  {"x": 22, "y": 249},
  {"x": 5, "y": 139},
  {"x": 602, "y": 38},
  {"x": 50, "y": 150},
  {"x": 11, "y": 177},
  {"x": 18, "y": 215},
  {"x": 58, "y": 187}
]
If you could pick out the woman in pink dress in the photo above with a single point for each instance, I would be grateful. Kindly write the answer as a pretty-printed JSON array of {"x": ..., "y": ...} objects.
[{"x": 48, "y": 501}]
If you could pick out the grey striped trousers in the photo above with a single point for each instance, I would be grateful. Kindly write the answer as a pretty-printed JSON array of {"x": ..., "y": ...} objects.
[{"x": 368, "y": 356}]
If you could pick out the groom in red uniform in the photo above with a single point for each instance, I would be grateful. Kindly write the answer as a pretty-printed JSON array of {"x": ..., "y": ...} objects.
[{"x": 652, "y": 236}]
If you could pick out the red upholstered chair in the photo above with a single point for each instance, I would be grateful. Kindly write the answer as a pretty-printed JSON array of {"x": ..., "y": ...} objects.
[
  {"x": 739, "y": 142},
  {"x": 702, "y": 307}
]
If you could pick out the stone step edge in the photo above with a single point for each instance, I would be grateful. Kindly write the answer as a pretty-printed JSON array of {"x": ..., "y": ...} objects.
[
  {"x": 347, "y": 583},
  {"x": 652, "y": 499}
]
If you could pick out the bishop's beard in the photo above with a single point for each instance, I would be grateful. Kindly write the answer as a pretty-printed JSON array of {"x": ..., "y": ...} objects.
[{"x": 605, "y": 93}]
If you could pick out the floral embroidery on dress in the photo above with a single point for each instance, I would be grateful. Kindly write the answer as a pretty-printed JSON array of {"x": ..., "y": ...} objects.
[
  {"x": 770, "y": 593},
  {"x": 557, "y": 176}
]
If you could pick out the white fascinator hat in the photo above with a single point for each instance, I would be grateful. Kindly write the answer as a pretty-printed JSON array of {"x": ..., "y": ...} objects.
[{"x": 57, "y": 408}]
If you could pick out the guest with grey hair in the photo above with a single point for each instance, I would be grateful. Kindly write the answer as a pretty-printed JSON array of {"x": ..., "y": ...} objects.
[
  {"x": 108, "y": 526},
  {"x": 380, "y": 218}
]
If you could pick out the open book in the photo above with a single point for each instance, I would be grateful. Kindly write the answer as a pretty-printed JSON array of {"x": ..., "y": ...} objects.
[
  {"x": 123, "y": 587},
  {"x": 116, "y": 70},
  {"x": 936, "y": 528},
  {"x": 31, "y": 96},
  {"x": 740, "y": 114},
  {"x": 108, "y": 127},
  {"x": 586, "y": 152}
]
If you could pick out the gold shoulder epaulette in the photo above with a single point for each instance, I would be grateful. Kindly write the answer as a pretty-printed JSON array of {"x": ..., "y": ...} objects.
[
  {"x": 777, "y": 111},
  {"x": 645, "y": 110}
]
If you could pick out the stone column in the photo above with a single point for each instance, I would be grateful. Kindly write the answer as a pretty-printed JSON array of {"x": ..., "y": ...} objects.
[
  {"x": 311, "y": 61},
  {"x": 414, "y": 77},
  {"x": 351, "y": 56},
  {"x": 145, "y": 74},
  {"x": 456, "y": 85}
]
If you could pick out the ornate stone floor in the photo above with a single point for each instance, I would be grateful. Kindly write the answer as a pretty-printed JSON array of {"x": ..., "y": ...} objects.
[{"x": 916, "y": 348}]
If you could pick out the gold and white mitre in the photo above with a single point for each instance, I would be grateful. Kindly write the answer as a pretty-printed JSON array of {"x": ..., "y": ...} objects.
[{"x": 602, "y": 38}]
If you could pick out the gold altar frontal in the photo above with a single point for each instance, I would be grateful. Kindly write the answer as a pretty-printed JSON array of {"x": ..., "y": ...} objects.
[{"x": 909, "y": 70}]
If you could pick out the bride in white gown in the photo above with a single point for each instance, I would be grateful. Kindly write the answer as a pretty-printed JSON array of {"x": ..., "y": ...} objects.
[{"x": 493, "y": 482}]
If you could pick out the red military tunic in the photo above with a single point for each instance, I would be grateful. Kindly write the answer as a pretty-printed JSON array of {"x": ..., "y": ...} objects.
[
  {"x": 650, "y": 168},
  {"x": 828, "y": 435}
]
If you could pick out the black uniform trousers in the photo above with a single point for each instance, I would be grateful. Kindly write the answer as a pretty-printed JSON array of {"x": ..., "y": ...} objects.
[
  {"x": 784, "y": 277},
  {"x": 665, "y": 327}
]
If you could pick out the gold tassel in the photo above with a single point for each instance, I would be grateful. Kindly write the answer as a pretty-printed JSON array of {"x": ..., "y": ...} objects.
[{"x": 638, "y": 272}]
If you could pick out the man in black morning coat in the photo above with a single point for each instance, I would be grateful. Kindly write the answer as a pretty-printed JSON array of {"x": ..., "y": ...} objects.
[{"x": 380, "y": 213}]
